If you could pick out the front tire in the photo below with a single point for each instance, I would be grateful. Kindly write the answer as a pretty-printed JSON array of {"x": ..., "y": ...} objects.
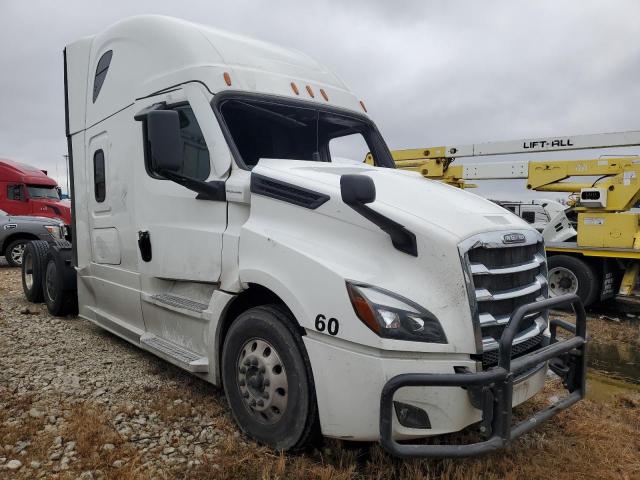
[
  {"x": 569, "y": 274},
  {"x": 15, "y": 251},
  {"x": 267, "y": 379}
]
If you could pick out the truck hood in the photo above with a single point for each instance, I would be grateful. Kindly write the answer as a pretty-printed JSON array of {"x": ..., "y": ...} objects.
[
  {"x": 56, "y": 208},
  {"x": 402, "y": 195}
]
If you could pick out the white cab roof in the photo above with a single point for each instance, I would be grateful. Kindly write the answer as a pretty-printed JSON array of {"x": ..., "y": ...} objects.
[{"x": 152, "y": 53}]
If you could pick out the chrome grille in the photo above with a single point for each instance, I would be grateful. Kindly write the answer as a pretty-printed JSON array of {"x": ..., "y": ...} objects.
[{"x": 502, "y": 277}]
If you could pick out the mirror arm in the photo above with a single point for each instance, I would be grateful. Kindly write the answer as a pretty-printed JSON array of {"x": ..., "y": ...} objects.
[
  {"x": 142, "y": 114},
  {"x": 213, "y": 190}
]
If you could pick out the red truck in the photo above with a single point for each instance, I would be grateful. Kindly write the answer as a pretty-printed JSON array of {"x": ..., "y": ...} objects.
[{"x": 25, "y": 190}]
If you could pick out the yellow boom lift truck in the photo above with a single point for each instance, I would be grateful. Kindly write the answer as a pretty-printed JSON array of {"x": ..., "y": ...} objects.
[{"x": 593, "y": 247}]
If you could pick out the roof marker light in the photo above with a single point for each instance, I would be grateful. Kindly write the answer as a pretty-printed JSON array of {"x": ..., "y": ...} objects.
[
  {"x": 294, "y": 87},
  {"x": 324, "y": 94},
  {"x": 310, "y": 92},
  {"x": 363, "y": 107},
  {"x": 227, "y": 79}
]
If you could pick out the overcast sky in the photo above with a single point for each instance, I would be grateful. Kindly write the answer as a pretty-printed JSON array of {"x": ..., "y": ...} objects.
[{"x": 430, "y": 72}]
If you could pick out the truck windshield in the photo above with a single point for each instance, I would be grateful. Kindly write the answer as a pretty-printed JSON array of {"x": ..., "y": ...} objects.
[
  {"x": 263, "y": 128},
  {"x": 43, "y": 191}
]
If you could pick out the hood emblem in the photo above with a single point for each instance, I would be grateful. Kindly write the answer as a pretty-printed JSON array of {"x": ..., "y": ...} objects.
[{"x": 514, "y": 238}]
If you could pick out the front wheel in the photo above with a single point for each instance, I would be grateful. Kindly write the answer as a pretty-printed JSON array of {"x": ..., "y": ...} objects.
[
  {"x": 15, "y": 251},
  {"x": 267, "y": 379}
]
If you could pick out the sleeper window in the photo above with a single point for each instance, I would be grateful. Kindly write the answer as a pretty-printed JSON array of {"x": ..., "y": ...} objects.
[
  {"x": 99, "y": 181},
  {"x": 101, "y": 73}
]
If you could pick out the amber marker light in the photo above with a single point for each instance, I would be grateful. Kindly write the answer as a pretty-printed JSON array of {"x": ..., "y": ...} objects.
[
  {"x": 227, "y": 79},
  {"x": 294, "y": 87},
  {"x": 324, "y": 94},
  {"x": 363, "y": 309},
  {"x": 310, "y": 92}
]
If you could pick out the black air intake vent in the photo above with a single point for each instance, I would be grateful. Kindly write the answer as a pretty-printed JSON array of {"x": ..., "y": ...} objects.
[{"x": 303, "y": 197}]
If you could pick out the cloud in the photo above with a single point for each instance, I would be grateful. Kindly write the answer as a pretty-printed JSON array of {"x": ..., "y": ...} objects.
[{"x": 431, "y": 73}]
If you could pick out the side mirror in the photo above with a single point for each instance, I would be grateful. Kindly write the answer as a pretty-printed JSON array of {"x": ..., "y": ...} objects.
[
  {"x": 357, "y": 189},
  {"x": 165, "y": 143}
]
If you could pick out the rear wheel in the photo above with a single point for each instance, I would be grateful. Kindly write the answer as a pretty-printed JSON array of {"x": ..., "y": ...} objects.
[
  {"x": 14, "y": 252},
  {"x": 572, "y": 275},
  {"x": 60, "y": 297},
  {"x": 34, "y": 263},
  {"x": 267, "y": 379}
]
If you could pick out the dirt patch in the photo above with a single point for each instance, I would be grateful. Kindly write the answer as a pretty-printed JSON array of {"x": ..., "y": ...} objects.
[{"x": 78, "y": 402}]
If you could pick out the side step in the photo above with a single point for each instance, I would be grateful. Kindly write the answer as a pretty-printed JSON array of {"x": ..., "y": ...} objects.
[
  {"x": 177, "y": 304},
  {"x": 174, "y": 353}
]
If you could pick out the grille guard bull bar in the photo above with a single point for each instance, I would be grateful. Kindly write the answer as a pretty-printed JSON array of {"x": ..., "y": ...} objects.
[{"x": 566, "y": 358}]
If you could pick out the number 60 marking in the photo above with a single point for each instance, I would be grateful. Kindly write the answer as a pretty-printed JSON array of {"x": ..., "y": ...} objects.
[{"x": 332, "y": 326}]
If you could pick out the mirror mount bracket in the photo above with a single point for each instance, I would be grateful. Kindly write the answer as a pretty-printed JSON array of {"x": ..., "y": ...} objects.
[
  {"x": 212, "y": 190},
  {"x": 142, "y": 114}
]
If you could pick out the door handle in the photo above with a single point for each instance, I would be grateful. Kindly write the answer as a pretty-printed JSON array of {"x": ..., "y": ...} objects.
[{"x": 144, "y": 244}]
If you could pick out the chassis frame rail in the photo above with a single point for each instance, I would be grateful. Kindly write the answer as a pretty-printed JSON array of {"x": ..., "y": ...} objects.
[{"x": 566, "y": 358}]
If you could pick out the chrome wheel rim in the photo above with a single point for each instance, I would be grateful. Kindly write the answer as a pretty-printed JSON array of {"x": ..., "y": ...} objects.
[
  {"x": 17, "y": 252},
  {"x": 262, "y": 380},
  {"x": 28, "y": 271},
  {"x": 562, "y": 281}
]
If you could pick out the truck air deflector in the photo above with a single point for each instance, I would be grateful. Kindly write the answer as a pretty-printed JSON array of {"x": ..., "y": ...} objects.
[
  {"x": 358, "y": 190},
  {"x": 566, "y": 358},
  {"x": 67, "y": 129},
  {"x": 286, "y": 192}
]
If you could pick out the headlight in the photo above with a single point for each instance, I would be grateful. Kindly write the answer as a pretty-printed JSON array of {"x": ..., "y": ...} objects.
[
  {"x": 55, "y": 231},
  {"x": 392, "y": 316}
]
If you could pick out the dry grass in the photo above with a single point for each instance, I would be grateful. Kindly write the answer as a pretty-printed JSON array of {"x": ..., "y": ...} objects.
[
  {"x": 609, "y": 329},
  {"x": 17, "y": 426},
  {"x": 590, "y": 441}
]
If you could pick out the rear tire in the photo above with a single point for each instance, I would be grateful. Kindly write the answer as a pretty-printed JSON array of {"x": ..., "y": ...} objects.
[
  {"x": 34, "y": 264},
  {"x": 267, "y": 379},
  {"x": 15, "y": 251},
  {"x": 569, "y": 274},
  {"x": 59, "y": 286}
]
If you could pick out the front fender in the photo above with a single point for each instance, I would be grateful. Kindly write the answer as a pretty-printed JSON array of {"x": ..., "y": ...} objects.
[{"x": 305, "y": 257}]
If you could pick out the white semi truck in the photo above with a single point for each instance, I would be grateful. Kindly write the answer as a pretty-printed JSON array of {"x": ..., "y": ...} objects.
[{"x": 212, "y": 228}]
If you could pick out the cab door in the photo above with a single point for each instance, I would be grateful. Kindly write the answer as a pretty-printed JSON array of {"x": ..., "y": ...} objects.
[
  {"x": 179, "y": 233},
  {"x": 182, "y": 232},
  {"x": 17, "y": 202}
]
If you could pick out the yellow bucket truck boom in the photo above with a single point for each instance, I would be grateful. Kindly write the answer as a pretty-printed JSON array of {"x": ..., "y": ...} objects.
[{"x": 594, "y": 246}]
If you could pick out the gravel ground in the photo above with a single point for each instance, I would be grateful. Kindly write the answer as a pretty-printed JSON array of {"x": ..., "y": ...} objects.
[{"x": 63, "y": 376}]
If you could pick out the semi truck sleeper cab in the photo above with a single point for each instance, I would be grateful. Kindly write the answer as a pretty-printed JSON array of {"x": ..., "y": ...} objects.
[{"x": 219, "y": 224}]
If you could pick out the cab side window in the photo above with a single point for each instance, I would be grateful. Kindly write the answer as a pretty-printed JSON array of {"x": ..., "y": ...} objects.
[
  {"x": 99, "y": 178},
  {"x": 15, "y": 192},
  {"x": 195, "y": 154}
]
